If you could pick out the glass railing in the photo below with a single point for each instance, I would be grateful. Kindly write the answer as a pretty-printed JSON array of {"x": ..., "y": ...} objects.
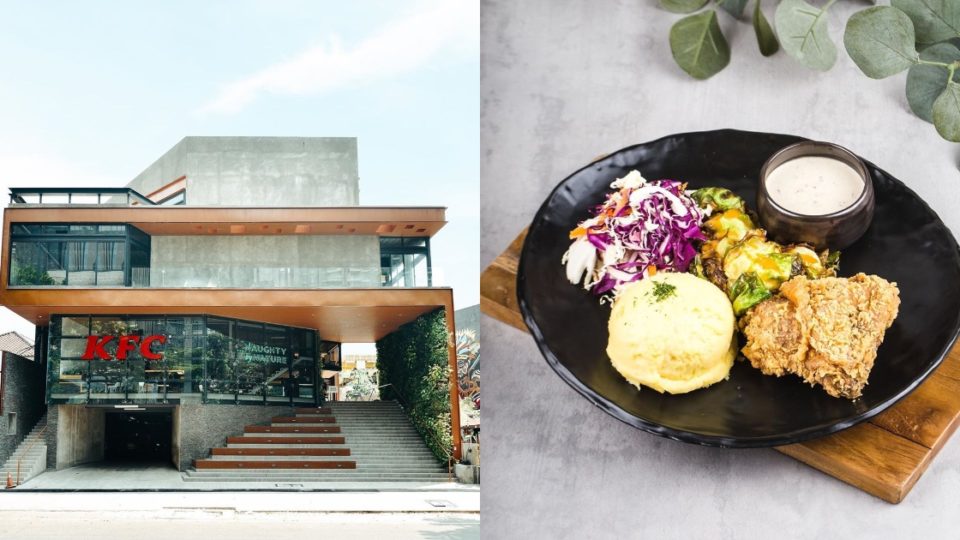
[
  {"x": 247, "y": 277},
  {"x": 288, "y": 277},
  {"x": 78, "y": 197}
]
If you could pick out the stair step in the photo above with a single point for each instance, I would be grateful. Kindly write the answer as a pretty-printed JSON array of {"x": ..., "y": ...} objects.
[
  {"x": 285, "y": 440},
  {"x": 302, "y": 419},
  {"x": 291, "y": 429},
  {"x": 280, "y": 451},
  {"x": 312, "y": 410},
  {"x": 276, "y": 457},
  {"x": 217, "y": 464}
]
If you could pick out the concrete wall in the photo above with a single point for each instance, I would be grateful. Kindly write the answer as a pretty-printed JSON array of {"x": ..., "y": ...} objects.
[
  {"x": 259, "y": 171},
  {"x": 203, "y": 427},
  {"x": 23, "y": 401},
  {"x": 79, "y": 435},
  {"x": 175, "y": 438},
  {"x": 265, "y": 261}
]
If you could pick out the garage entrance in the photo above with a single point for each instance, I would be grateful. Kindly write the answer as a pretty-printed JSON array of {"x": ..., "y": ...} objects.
[{"x": 138, "y": 436}]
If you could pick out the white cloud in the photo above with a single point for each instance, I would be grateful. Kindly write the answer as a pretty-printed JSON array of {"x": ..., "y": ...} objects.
[{"x": 405, "y": 45}]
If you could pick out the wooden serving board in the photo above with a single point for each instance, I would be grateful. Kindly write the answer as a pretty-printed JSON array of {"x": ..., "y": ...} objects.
[{"x": 884, "y": 456}]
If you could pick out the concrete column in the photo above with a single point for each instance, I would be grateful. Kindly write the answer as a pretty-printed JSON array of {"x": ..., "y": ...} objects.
[{"x": 80, "y": 435}]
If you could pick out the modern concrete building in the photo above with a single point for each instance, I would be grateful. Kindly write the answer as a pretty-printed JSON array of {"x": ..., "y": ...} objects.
[{"x": 208, "y": 296}]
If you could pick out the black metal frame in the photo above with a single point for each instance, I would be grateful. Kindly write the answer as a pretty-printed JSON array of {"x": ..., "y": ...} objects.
[
  {"x": 132, "y": 196},
  {"x": 317, "y": 368},
  {"x": 410, "y": 250},
  {"x": 131, "y": 235}
]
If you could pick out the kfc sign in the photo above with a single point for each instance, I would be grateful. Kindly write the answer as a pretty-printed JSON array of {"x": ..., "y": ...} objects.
[{"x": 96, "y": 347}]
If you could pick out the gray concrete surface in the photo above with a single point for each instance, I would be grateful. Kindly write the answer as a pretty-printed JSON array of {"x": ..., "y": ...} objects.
[
  {"x": 22, "y": 401},
  {"x": 360, "y": 515},
  {"x": 259, "y": 171},
  {"x": 265, "y": 261},
  {"x": 564, "y": 82},
  {"x": 79, "y": 435},
  {"x": 163, "y": 477},
  {"x": 207, "y": 426}
]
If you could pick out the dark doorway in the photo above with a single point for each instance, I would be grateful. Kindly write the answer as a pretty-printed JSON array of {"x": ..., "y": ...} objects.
[{"x": 143, "y": 437}]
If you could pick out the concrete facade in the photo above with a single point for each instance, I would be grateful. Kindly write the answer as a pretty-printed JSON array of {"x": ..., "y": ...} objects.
[
  {"x": 78, "y": 435},
  {"x": 259, "y": 171},
  {"x": 265, "y": 261},
  {"x": 23, "y": 401}
]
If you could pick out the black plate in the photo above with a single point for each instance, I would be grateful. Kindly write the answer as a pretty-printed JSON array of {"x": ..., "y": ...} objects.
[{"x": 907, "y": 243}]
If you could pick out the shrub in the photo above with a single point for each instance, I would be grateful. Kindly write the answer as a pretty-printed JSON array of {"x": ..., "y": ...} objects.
[{"x": 414, "y": 361}]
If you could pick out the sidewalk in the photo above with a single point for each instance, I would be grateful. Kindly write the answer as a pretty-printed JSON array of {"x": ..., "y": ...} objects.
[
  {"x": 112, "y": 477},
  {"x": 172, "y": 504}
]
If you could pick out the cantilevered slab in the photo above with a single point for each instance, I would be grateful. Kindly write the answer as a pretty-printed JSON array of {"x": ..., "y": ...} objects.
[
  {"x": 344, "y": 315},
  {"x": 225, "y": 220}
]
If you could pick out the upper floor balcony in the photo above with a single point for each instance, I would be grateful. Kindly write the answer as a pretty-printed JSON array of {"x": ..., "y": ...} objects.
[
  {"x": 117, "y": 238},
  {"x": 78, "y": 197}
]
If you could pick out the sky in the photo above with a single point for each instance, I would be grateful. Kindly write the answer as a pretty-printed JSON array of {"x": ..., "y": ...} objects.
[{"x": 93, "y": 92}]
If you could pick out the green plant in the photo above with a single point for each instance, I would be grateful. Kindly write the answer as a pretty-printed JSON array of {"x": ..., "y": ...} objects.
[
  {"x": 698, "y": 44},
  {"x": 361, "y": 387},
  {"x": 413, "y": 364},
  {"x": 28, "y": 275},
  {"x": 920, "y": 35}
]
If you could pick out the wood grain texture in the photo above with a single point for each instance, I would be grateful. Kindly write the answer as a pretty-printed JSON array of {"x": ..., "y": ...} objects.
[{"x": 884, "y": 456}]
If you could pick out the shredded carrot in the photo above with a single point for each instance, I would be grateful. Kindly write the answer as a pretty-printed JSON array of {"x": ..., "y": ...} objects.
[
  {"x": 651, "y": 270},
  {"x": 578, "y": 232}
]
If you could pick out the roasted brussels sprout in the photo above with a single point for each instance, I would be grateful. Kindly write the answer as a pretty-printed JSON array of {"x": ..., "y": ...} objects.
[
  {"x": 718, "y": 199},
  {"x": 746, "y": 292}
]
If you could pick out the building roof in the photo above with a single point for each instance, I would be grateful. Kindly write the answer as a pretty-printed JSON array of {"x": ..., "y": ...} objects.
[{"x": 16, "y": 344}]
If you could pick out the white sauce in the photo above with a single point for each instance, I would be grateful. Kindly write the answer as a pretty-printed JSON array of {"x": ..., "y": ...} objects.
[{"x": 814, "y": 185}]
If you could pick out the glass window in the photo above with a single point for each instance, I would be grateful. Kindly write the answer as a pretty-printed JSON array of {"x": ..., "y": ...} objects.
[
  {"x": 82, "y": 229},
  {"x": 405, "y": 262},
  {"x": 37, "y": 263},
  {"x": 69, "y": 381},
  {"x": 220, "y": 361},
  {"x": 82, "y": 255},
  {"x": 108, "y": 380},
  {"x": 72, "y": 347},
  {"x": 213, "y": 359},
  {"x": 177, "y": 199},
  {"x": 73, "y": 326}
]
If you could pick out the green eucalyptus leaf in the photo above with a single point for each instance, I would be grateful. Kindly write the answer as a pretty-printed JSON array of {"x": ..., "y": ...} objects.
[
  {"x": 803, "y": 34},
  {"x": 765, "y": 36},
  {"x": 682, "y": 6},
  {"x": 880, "y": 41},
  {"x": 925, "y": 83},
  {"x": 733, "y": 7},
  {"x": 698, "y": 45},
  {"x": 934, "y": 20},
  {"x": 946, "y": 113}
]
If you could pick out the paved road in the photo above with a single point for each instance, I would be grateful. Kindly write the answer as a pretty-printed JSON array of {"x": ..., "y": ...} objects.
[{"x": 211, "y": 525}]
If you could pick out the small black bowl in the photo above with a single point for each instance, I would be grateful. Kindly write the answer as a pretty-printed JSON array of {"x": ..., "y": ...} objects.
[{"x": 835, "y": 230}]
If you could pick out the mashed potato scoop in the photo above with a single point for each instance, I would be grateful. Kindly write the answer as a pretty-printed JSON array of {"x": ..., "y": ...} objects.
[{"x": 672, "y": 332}]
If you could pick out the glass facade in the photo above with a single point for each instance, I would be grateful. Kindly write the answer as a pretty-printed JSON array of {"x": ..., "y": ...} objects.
[
  {"x": 80, "y": 254},
  {"x": 204, "y": 359},
  {"x": 405, "y": 262}
]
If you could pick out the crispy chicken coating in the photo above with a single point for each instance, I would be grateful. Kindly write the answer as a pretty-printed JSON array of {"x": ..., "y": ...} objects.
[{"x": 827, "y": 330}]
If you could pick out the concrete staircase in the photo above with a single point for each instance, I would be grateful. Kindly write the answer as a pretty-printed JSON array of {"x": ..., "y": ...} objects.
[
  {"x": 342, "y": 442},
  {"x": 31, "y": 454}
]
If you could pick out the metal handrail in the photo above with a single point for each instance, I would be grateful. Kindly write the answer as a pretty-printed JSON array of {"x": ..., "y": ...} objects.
[
  {"x": 130, "y": 196},
  {"x": 27, "y": 450},
  {"x": 429, "y": 435}
]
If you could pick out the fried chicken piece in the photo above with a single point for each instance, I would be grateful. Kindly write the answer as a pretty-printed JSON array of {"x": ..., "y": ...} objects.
[{"x": 826, "y": 330}]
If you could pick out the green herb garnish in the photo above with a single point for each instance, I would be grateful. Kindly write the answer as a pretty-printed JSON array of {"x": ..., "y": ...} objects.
[{"x": 662, "y": 291}]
